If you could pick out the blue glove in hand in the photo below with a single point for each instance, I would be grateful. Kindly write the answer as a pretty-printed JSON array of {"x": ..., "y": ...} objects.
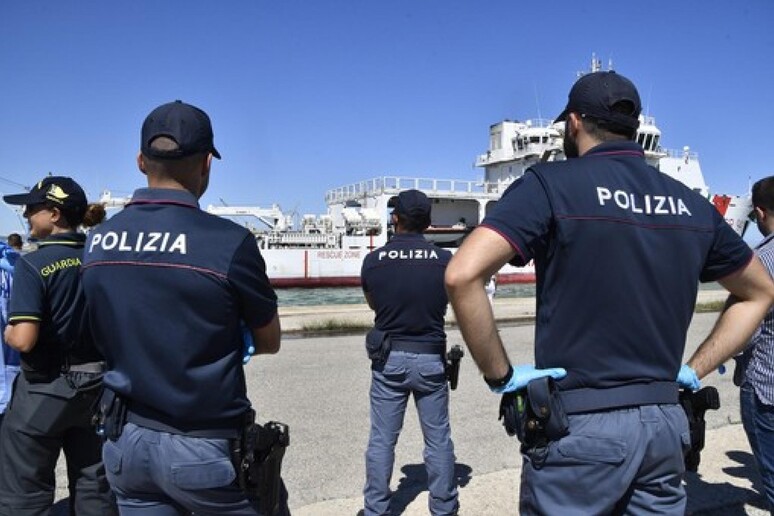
[
  {"x": 8, "y": 257},
  {"x": 6, "y": 265},
  {"x": 687, "y": 378},
  {"x": 248, "y": 344},
  {"x": 523, "y": 374}
]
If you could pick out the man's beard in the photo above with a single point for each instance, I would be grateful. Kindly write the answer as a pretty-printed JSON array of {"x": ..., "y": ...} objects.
[{"x": 570, "y": 144}]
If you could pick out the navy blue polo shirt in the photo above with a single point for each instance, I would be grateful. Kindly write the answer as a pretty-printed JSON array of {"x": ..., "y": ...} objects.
[
  {"x": 167, "y": 286},
  {"x": 47, "y": 290},
  {"x": 619, "y": 250},
  {"x": 404, "y": 280}
]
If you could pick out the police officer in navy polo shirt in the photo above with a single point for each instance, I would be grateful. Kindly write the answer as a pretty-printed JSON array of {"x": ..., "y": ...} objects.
[
  {"x": 619, "y": 250},
  {"x": 403, "y": 284},
  {"x": 168, "y": 285},
  {"x": 61, "y": 368}
]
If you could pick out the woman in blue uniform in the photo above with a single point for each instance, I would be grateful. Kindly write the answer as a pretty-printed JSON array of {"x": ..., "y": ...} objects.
[{"x": 51, "y": 407}]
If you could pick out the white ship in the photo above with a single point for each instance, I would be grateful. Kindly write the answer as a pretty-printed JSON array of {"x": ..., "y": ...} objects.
[{"x": 328, "y": 250}]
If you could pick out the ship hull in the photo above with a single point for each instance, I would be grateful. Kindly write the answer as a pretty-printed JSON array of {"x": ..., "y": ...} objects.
[{"x": 317, "y": 268}]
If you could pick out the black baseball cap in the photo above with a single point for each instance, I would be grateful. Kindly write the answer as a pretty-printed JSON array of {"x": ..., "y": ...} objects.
[
  {"x": 411, "y": 203},
  {"x": 187, "y": 125},
  {"x": 56, "y": 190},
  {"x": 596, "y": 93}
]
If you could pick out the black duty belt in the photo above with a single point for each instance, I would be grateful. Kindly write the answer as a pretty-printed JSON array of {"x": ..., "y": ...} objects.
[
  {"x": 423, "y": 348},
  {"x": 578, "y": 401}
]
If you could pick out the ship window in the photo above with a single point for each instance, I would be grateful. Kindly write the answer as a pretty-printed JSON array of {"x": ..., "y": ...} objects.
[
  {"x": 655, "y": 141},
  {"x": 641, "y": 139},
  {"x": 648, "y": 141},
  {"x": 534, "y": 139}
]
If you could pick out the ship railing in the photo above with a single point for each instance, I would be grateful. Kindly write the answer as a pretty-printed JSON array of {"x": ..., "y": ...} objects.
[
  {"x": 526, "y": 151},
  {"x": 392, "y": 185},
  {"x": 680, "y": 153},
  {"x": 299, "y": 239},
  {"x": 539, "y": 122}
]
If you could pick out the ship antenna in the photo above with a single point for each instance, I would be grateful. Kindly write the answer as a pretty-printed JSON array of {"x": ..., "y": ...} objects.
[
  {"x": 647, "y": 104},
  {"x": 537, "y": 101},
  {"x": 596, "y": 64}
]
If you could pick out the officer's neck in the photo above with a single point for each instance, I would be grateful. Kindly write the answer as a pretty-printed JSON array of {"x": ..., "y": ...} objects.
[
  {"x": 169, "y": 183},
  {"x": 585, "y": 142},
  {"x": 400, "y": 230}
]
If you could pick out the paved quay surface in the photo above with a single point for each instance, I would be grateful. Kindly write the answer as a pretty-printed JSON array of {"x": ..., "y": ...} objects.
[
  {"x": 319, "y": 386},
  {"x": 297, "y": 319}
]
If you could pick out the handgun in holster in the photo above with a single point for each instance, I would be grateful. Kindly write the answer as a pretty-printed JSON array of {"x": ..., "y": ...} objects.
[
  {"x": 110, "y": 415},
  {"x": 453, "y": 359},
  {"x": 536, "y": 416},
  {"x": 695, "y": 404},
  {"x": 257, "y": 455}
]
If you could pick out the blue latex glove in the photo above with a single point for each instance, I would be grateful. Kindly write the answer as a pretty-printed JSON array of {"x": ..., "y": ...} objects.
[
  {"x": 11, "y": 255},
  {"x": 687, "y": 378},
  {"x": 523, "y": 374},
  {"x": 248, "y": 344},
  {"x": 6, "y": 265},
  {"x": 8, "y": 258}
]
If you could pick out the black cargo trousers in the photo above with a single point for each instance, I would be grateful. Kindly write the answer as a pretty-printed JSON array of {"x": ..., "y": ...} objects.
[{"x": 43, "y": 419}]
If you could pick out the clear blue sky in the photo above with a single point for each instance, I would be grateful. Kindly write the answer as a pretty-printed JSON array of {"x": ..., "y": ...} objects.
[{"x": 307, "y": 96}]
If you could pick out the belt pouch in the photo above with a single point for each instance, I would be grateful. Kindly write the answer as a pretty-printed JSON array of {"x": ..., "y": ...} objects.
[
  {"x": 377, "y": 345},
  {"x": 546, "y": 407}
]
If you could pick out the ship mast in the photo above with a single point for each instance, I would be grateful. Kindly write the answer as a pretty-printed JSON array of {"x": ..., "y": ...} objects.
[{"x": 596, "y": 65}]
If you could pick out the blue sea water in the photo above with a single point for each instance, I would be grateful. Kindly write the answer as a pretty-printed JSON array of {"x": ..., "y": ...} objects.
[{"x": 354, "y": 295}]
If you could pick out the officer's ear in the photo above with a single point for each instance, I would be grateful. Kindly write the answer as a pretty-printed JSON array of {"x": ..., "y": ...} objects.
[
  {"x": 574, "y": 122},
  {"x": 141, "y": 163},
  {"x": 56, "y": 214}
]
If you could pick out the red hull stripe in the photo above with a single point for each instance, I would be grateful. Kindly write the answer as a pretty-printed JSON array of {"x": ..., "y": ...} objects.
[{"x": 354, "y": 281}]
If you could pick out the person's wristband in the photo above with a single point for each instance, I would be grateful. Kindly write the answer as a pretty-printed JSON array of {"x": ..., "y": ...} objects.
[{"x": 500, "y": 382}]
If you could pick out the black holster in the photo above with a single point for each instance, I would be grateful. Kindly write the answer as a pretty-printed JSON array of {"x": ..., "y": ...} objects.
[
  {"x": 110, "y": 415},
  {"x": 535, "y": 415},
  {"x": 257, "y": 456},
  {"x": 695, "y": 404},
  {"x": 377, "y": 345},
  {"x": 453, "y": 358}
]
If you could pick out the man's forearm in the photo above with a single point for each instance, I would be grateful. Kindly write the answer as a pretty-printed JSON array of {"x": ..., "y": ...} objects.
[
  {"x": 476, "y": 321},
  {"x": 731, "y": 333},
  {"x": 267, "y": 338},
  {"x": 752, "y": 293}
]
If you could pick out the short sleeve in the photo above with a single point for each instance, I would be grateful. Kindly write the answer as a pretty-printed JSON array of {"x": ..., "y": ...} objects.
[
  {"x": 364, "y": 272},
  {"x": 248, "y": 275},
  {"x": 27, "y": 293},
  {"x": 522, "y": 216},
  {"x": 728, "y": 254}
]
